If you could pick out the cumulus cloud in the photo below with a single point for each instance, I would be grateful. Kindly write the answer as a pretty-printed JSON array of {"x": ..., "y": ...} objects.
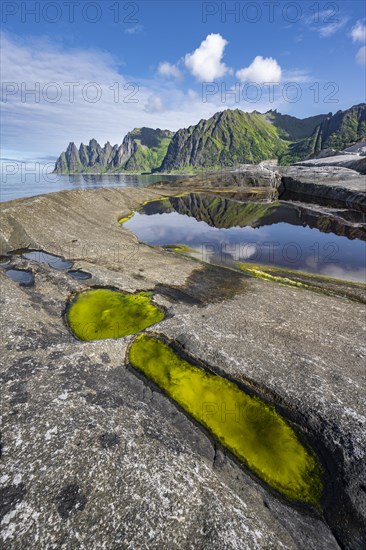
[
  {"x": 361, "y": 56},
  {"x": 262, "y": 69},
  {"x": 169, "y": 70},
  {"x": 358, "y": 32},
  {"x": 205, "y": 63}
]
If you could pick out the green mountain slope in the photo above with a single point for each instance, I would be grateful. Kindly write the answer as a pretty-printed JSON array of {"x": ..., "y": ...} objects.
[
  {"x": 344, "y": 127},
  {"x": 150, "y": 148},
  {"x": 142, "y": 150},
  {"x": 295, "y": 128},
  {"x": 335, "y": 131},
  {"x": 228, "y": 138}
]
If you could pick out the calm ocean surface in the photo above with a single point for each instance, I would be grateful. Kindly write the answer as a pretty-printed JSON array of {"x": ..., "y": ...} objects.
[{"x": 18, "y": 181}]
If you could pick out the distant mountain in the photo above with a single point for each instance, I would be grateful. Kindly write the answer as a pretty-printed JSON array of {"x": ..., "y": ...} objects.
[
  {"x": 228, "y": 138},
  {"x": 294, "y": 128},
  {"x": 334, "y": 131},
  {"x": 142, "y": 150}
]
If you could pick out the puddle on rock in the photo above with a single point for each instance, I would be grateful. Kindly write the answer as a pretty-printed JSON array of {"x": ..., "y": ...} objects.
[
  {"x": 56, "y": 262},
  {"x": 79, "y": 274},
  {"x": 277, "y": 234},
  {"x": 101, "y": 313},
  {"x": 252, "y": 430},
  {"x": 22, "y": 276},
  {"x": 4, "y": 261}
]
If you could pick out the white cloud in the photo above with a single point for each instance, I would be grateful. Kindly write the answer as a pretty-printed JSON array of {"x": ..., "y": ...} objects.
[
  {"x": 192, "y": 94},
  {"x": 169, "y": 70},
  {"x": 358, "y": 32},
  {"x": 332, "y": 27},
  {"x": 300, "y": 76},
  {"x": 205, "y": 63},
  {"x": 154, "y": 104},
  {"x": 136, "y": 29},
  {"x": 32, "y": 129},
  {"x": 262, "y": 69},
  {"x": 326, "y": 22},
  {"x": 361, "y": 56}
]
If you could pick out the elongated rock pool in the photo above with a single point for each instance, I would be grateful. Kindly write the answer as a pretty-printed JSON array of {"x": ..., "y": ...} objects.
[{"x": 250, "y": 429}]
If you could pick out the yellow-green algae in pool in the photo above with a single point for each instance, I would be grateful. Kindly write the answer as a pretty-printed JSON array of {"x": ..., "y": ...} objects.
[
  {"x": 248, "y": 427},
  {"x": 102, "y": 313}
]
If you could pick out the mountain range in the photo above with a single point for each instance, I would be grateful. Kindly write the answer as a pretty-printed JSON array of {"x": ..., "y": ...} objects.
[{"x": 228, "y": 138}]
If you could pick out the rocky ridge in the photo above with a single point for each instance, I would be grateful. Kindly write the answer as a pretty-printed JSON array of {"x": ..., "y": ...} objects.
[
  {"x": 141, "y": 150},
  {"x": 228, "y": 138}
]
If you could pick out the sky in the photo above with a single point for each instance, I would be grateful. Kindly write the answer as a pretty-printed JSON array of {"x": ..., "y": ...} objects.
[{"x": 76, "y": 70}]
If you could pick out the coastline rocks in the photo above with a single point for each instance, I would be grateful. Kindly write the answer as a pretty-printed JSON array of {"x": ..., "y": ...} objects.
[
  {"x": 333, "y": 183},
  {"x": 343, "y": 186},
  {"x": 163, "y": 481},
  {"x": 353, "y": 161},
  {"x": 353, "y": 157}
]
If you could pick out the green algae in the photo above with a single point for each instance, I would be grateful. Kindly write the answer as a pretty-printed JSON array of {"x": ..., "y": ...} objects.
[
  {"x": 102, "y": 313},
  {"x": 126, "y": 218},
  {"x": 255, "y": 271},
  {"x": 183, "y": 248},
  {"x": 252, "y": 430},
  {"x": 321, "y": 284}
]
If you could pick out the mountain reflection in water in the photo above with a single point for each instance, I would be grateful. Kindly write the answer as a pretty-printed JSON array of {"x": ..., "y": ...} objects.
[{"x": 292, "y": 236}]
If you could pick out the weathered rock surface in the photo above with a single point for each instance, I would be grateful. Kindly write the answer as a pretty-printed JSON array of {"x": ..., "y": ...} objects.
[
  {"x": 353, "y": 161},
  {"x": 94, "y": 456},
  {"x": 334, "y": 184}
]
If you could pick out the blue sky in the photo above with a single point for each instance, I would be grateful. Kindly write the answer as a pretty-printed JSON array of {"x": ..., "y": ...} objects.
[{"x": 169, "y": 64}]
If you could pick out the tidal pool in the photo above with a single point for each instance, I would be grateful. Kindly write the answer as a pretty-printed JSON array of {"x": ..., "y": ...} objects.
[
  {"x": 24, "y": 277},
  {"x": 4, "y": 261},
  {"x": 79, "y": 274},
  {"x": 101, "y": 313},
  {"x": 252, "y": 430},
  {"x": 57, "y": 262},
  {"x": 224, "y": 231}
]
